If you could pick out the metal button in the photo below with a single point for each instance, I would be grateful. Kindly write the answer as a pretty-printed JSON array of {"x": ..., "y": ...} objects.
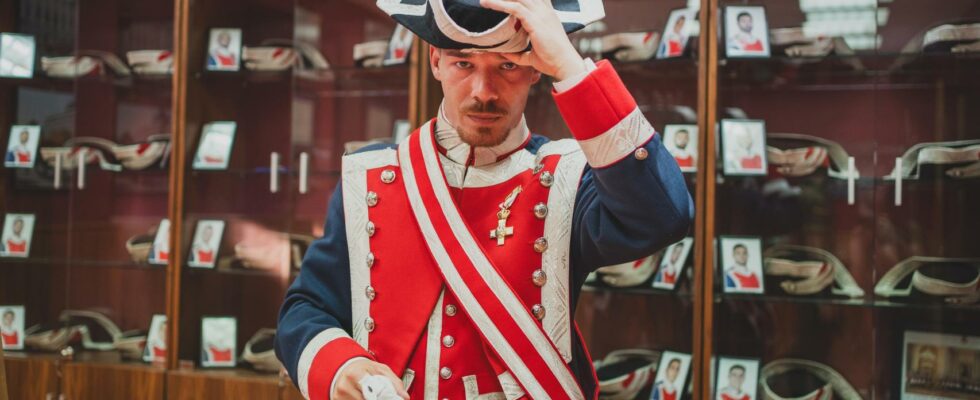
[
  {"x": 370, "y": 229},
  {"x": 540, "y": 245},
  {"x": 370, "y": 293},
  {"x": 445, "y": 373},
  {"x": 372, "y": 199},
  {"x": 641, "y": 153},
  {"x": 546, "y": 179},
  {"x": 450, "y": 310},
  {"x": 369, "y": 324},
  {"x": 540, "y": 210},
  {"x": 539, "y": 277},
  {"x": 369, "y": 259},
  {"x": 448, "y": 341},
  {"x": 538, "y": 311},
  {"x": 387, "y": 176}
]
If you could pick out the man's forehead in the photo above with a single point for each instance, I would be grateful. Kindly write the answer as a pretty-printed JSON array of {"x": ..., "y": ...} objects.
[{"x": 469, "y": 54}]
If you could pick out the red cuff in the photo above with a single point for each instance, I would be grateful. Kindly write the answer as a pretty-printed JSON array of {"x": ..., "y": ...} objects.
[
  {"x": 327, "y": 361},
  {"x": 596, "y": 104}
]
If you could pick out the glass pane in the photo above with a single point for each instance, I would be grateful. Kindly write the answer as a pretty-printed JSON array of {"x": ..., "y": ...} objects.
[{"x": 795, "y": 197}]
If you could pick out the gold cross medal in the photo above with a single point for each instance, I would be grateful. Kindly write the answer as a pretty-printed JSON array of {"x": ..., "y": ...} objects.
[{"x": 502, "y": 230}]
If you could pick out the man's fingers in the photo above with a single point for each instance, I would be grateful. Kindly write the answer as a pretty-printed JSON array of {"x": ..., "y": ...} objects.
[{"x": 349, "y": 389}]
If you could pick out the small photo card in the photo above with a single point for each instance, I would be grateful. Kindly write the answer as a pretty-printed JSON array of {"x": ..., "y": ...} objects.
[
  {"x": 16, "y": 55},
  {"x": 682, "y": 143},
  {"x": 680, "y": 26},
  {"x": 160, "y": 251},
  {"x": 671, "y": 376},
  {"x": 156, "y": 340},
  {"x": 218, "y": 341},
  {"x": 744, "y": 147},
  {"x": 12, "y": 327},
  {"x": 742, "y": 264},
  {"x": 22, "y": 146},
  {"x": 224, "y": 49},
  {"x": 746, "y": 32},
  {"x": 940, "y": 366},
  {"x": 214, "y": 148},
  {"x": 738, "y": 379},
  {"x": 399, "y": 47},
  {"x": 207, "y": 241},
  {"x": 17, "y": 232},
  {"x": 672, "y": 264}
]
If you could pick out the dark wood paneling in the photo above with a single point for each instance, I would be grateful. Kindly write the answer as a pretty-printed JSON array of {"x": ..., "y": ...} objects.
[
  {"x": 3, "y": 378},
  {"x": 290, "y": 392},
  {"x": 224, "y": 384},
  {"x": 106, "y": 381},
  {"x": 31, "y": 377}
]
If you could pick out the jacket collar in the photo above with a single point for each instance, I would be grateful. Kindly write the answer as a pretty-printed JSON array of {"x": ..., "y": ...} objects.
[{"x": 453, "y": 147}]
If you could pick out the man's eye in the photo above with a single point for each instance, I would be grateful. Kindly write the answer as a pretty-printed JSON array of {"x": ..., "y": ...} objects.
[
  {"x": 463, "y": 64},
  {"x": 508, "y": 66}
]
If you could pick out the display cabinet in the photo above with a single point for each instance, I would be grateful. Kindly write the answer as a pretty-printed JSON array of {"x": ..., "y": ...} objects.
[
  {"x": 243, "y": 227},
  {"x": 182, "y": 156},
  {"x": 865, "y": 276},
  {"x": 88, "y": 191}
]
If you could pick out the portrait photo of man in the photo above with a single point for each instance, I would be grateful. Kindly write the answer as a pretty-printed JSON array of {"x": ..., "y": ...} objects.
[
  {"x": 743, "y": 145},
  {"x": 12, "y": 327},
  {"x": 737, "y": 379},
  {"x": 224, "y": 49},
  {"x": 17, "y": 231},
  {"x": 669, "y": 384},
  {"x": 746, "y": 31},
  {"x": 676, "y": 33},
  {"x": 743, "y": 265},
  {"x": 682, "y": 143},
  {"x": 22, "y": 146},
  {"x": 207, "y": 240}
]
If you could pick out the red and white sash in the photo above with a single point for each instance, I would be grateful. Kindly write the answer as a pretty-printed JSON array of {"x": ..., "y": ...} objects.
[{"x": 495, "y": 309}]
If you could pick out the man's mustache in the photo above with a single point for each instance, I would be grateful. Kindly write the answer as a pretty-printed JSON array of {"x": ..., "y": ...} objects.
[{"x": 488, "y": 107}]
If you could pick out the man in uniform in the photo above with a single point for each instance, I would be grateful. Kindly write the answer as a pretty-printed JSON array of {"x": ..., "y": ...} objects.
[
  {"x": 451, "y": 265},
  {"x": 739, "y": 275},
  {"x": 733, "y": 391}
]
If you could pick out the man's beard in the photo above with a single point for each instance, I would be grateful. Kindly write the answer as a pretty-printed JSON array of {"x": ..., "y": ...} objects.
[{"x": 484, "y": 136}]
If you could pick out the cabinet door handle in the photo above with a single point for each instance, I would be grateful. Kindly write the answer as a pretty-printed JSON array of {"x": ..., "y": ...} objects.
[
  {"x": 57, "y": 170},
  {"x": 852, "y": 175},
  {"x": 898, "y": 181},
  {"x": 82, "y": 153},
  {"x": 304, "y": 165},
  {"x": 274, "y": 172}
]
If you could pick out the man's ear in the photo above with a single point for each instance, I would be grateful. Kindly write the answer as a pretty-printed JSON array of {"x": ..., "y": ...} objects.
[
  {"x": 434, "y": 55},
  {"x": 535, "y": 76}
]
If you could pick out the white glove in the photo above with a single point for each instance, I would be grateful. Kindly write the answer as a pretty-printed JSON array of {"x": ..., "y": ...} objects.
[{"x": 377, "y": 387}]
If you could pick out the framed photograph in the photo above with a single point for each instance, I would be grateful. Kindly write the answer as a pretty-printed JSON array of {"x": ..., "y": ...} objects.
[
  {"x": 746, "y": 32},
  {"x": 22, "y": 146},
  {"x": 741, "y": 260},
  {"x": 16, "y": 55},
  {"x": 399, "y": 46},
  {"x": 678, "y": 30},
  {"x": 17, "y": 232},
  {"x": 401, "y": 130},
  {"x": 160, "y": 250},
  {"x": 207, "y": 241},
  {"x": 156, "y": 340},
  {"x": 671, "y": 376},
  {"x": 681, "y": 142},
  {"x": 12, "y": 327},
  {"x": 218, "y": 341},
  {"x": 743, "y": 143},
  {"x": 940, "y": 366},
  {"x": 224, "y": 49},
  {"x": 214, "y": 148},
  {"x": 672, "y": 264},
  {"x": 738, "y": 379}
]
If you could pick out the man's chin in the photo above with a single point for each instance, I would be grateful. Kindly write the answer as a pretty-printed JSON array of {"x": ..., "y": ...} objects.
[{"x": 483, "y": 136}]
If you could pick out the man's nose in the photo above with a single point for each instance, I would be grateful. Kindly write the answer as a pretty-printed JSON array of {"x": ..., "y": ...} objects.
[{"x": 483, "y": 86}]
